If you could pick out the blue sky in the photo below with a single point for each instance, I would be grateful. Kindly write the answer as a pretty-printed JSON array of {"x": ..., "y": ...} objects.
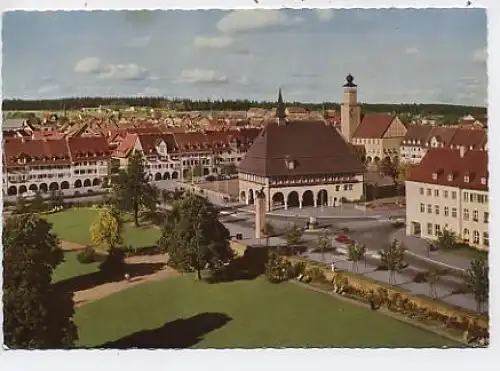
[{"x": 395, "y": 55}]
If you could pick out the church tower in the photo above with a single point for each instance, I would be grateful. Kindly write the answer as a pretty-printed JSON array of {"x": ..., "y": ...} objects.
[
  {"x": 350, "y": 111},
  {"x": 280, "y": 110}
]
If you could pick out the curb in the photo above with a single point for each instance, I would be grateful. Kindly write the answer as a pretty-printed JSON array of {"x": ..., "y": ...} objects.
[{"x": 378, "y": 217}]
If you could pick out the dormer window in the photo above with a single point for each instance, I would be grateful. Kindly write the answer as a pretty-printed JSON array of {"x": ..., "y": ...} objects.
[
  {"x": 483, "y": 180},
  {"x": 434, "y": 176},
  {"x": 450, "y": 177},
  {"x": 466, "y": 178}
]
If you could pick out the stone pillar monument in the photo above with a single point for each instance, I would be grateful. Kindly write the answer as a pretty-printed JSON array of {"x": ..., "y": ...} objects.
[{"x": 260, "y": 213}]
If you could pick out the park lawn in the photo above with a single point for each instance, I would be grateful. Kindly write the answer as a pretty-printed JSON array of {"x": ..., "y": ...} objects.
[
  {"x": 74, "y": 225},
  {"x": 71, "y": 267},
  {"x": 259, "y": 314}
]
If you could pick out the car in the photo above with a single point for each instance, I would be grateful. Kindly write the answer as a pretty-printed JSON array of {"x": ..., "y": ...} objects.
[{"x": 343, "y": 239}]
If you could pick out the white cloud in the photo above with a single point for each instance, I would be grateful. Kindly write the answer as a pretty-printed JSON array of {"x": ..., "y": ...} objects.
[
  {"x": 243, "y": 80},
  {"x": 88, "y": 65},
  {"x": 255, "y": 19},
  {"x": 197, "y": 75},
  {"x": 138, "y": 42},
  {"x": 44, "y": 89},
  {"x": 92, "y": 65},
  {"x": 480, "y": 55},
  {"x": 324, "y": 15},
  {"x": 412, "y": 50},
  {"x": 214, "y": 42},
  {"x": 124, "y": 72}
]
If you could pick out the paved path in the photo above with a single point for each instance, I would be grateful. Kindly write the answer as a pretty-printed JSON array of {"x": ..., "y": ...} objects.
[
  {"x": 98, "y": 292},
  {"x": 418, "y": 247}
]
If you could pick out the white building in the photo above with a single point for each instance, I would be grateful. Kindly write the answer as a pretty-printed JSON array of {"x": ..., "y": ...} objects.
[
  {"x": 449, "y": 190},
  {"x": 79, "y": 164}
]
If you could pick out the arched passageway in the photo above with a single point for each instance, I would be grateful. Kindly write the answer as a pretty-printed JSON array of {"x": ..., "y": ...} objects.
[
  {"x": 166, "y": 176},
  {"x": 322, "y": 199},
  {"x": 175, "y": 175},
  {"x": 53, "y": 186},
  {"x": 86, "y": 183},
  {"x": 23, "y": 189},
  {"x": 251, "y": 200},
  {"x": 158, "y": 176},
  {"x": 308, "y": 198},
  {"x": 78, "y": 184},
  {"x": 65, "y": 185},
  {"x": 12, "y": 191},
  {"x": 96, "y": 182},
  {"x": 33, "y": 187},
  {"x": 43, "y": 188},
  {"x": 293, "y": 199},
  {"x": 243, "y": 196},
  {"x": 278, "y": 199}
]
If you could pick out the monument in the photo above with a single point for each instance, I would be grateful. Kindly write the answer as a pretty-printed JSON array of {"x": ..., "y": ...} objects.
[{"x": 260, "y": 213}]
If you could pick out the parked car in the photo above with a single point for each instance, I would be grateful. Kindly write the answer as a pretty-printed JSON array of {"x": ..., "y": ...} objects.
[
  {"x": 343, "y": 239},
  {"x": 210, "y": 178}
]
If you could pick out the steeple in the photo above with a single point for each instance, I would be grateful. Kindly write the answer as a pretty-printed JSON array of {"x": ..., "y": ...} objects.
[{"x": 280, "y": 110}]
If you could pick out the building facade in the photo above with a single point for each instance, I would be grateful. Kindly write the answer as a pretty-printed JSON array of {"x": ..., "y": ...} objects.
[
  {"x": 78, "y": 164},
  {"x": 298, "y": 163},
  {"x": 449, "y": 190}
]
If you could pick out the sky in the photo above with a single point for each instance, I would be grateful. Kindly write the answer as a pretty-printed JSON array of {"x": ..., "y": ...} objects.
[{"x": 395, "y": 55}]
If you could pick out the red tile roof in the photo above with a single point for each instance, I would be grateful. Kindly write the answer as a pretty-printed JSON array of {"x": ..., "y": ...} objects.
[
  {"x": 150, "y": 141},
  {"x": 125, "y": 146},
  {"x": 474, "y": 138},
  {"x": 444, "y": 166},
  {"x": 85, "y": 148},
  {"x": 35, "y": 152},
  {"x": 373, "y": 125}
]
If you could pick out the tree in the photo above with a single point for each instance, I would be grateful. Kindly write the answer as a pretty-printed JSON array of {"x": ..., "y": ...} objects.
[
  {"x": 107, "y": 228},
  {"x": 194, "y": 237},
  {"x": 447, "y": 240},
  {"x": 477, "y": 280},
  {"x": 229, "y": 169},
  {"x": 21, "y": 206},
  {"x": 403, "y": 172},
  {"x": 38, "y": 203},
  {"x": 392, "y": 256},
  {"x": 269, "y": 230},
  {"x": 165, "y": 196},
  {"x": 324, "y": 242},
  {"x": 355, "y": 252},
  {"x": 56, "y": 199},
  {"x": 277, "y": 268},
  {"x": 293, "y": 236},
  {"x": 36, "y": 316},
  {"x": 131, "y": 191}
]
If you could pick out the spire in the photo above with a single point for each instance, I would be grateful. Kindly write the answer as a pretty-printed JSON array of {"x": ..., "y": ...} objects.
[{"x": 281, "y": 109}]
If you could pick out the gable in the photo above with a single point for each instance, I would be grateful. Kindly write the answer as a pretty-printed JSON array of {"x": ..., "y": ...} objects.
[{"x": 396, "y": 129}]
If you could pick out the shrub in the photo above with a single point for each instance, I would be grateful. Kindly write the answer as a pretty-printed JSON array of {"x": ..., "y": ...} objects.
[
  {"x": 90, "y": 191},
  {"x": 76, "y": 194},
  {"x": 297, "y": 269},
  {"x": 277, "y": 268},
  {"x": 87, "y": 255},
  {"x": 114, "y": 263},
  {"x": 316, "y": 274}
]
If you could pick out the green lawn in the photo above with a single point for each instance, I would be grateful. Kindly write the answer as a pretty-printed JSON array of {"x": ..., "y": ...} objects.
[
  {"x": 74, "y": 225},
  {"x": 183, "y": 312},
  {"x": 71, "y": 267}
]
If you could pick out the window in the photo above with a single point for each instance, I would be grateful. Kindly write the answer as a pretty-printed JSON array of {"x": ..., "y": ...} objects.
[
  {"x": 486, "y": 239},
  {"x": 436, "y": 193},
  {"x": 486, "y": 217},
  {"x": 429, "y": 209},
  {"x": 476, "y": 238},
  {"x": 436, "y": 209},
  {"x": 421, "y": 191},
  {"x": 445, "y": 194},
  {"x": 437, "y": 229},
  {"x": 475, "y": 215},
  {"x": 422, "y": 208},
  {"x": 345, "y": 187},
  {"x": 429, "y": 229},
  {"x": 466, "y": 179},
  {"x": 453, "y": 195},
  {"x": 350, "y": 187},
  {"x": 466, "y": 235},
  {"x": 466, "y": 214},
  {"x": 446, "y": 211},
  {"x": 466, "y": 196},
  {"x": 429, "y": 192}
]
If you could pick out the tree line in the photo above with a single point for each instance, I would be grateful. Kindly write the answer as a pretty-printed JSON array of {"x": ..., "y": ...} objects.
[{"x": 226, "y": 105}]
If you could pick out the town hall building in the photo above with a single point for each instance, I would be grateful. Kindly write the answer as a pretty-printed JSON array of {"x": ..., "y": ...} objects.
[{"x": 299, "y": 163}]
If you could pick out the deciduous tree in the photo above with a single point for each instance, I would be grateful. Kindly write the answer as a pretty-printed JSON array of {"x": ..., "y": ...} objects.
[
  {"x": 355, "y": 252},
  {"x": 36, "y": 316},
  {"x": 132, "y": 190},
  {"x": 392, "y": 256},
  {"x": 193, "y": 236},
  {"x": 293, "y": 236},
  {"x": 324, "y": 242},
  {"x": 477, "y": 279},
  {"x": 106, "y": 231},
  {"x": 447, "y": 240}
]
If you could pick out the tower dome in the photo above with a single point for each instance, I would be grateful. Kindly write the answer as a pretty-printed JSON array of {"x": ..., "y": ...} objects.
[{"x": 349, "y": 82}]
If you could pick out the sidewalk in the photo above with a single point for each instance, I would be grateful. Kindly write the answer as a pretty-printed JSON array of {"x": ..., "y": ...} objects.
[
  {"x": 418, "y": 246},
  {"x": 339, "y": 212}
]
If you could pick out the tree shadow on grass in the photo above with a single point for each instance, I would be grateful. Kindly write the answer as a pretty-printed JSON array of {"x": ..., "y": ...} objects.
[
  {"x": 88, "y": 281},
  {"x": 178, "y": 334}
]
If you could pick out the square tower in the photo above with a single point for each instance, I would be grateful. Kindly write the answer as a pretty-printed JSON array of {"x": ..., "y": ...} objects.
[{"x": 350, "y": 111}]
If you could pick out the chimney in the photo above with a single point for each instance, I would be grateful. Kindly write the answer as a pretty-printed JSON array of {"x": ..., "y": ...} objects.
[{"x": 462, "y": 151}]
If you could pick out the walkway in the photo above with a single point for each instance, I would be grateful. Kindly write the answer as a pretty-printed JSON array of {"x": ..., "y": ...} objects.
[
  {"x": 347, "y": 211},
  {"x": 418, "y": 246},
  {"x": 98, "y": 292}
]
